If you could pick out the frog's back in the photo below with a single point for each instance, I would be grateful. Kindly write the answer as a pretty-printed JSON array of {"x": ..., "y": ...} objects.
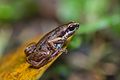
[{"x": 51, "y": 35}]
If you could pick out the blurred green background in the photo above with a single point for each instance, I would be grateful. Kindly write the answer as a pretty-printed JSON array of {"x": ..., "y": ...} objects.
[{"x": 93, "y": 53}]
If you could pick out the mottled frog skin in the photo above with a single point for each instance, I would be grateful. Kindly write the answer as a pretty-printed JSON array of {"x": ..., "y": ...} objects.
[{"x": 39, "y": 54}]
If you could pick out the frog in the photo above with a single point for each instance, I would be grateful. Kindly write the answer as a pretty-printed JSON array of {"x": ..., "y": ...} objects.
[{"x": 50, "y": 45}]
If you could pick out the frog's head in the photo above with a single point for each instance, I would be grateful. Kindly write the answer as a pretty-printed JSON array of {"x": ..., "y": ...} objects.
[{"x": 70, "y": 29}]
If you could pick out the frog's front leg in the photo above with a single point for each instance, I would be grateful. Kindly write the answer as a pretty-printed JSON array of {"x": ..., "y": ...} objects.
[
  {"x": 64, "y": 51},
  {"x": 52, "y": 42}
]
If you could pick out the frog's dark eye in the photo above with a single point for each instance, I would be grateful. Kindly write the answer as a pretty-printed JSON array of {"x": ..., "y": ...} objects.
[{"x": 71, "y": 28}]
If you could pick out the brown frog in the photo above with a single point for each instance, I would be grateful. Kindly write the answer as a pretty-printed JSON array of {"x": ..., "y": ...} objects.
[{"x": 39, "y": 54}]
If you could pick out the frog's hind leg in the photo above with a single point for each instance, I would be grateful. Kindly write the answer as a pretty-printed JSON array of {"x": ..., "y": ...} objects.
[
  {"x": 35, "y": 64},
  {"x": 30, "y": 48},
  {"x": 38, "y": 60}
]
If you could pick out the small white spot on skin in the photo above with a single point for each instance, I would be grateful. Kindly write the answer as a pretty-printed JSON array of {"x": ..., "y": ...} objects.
[
  {"x": 48, "y": 52},
  {"x": 58, "y": 46}
]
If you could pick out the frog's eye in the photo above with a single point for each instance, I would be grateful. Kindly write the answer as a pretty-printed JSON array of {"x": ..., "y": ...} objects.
[{"x": 71, "y": 28}]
